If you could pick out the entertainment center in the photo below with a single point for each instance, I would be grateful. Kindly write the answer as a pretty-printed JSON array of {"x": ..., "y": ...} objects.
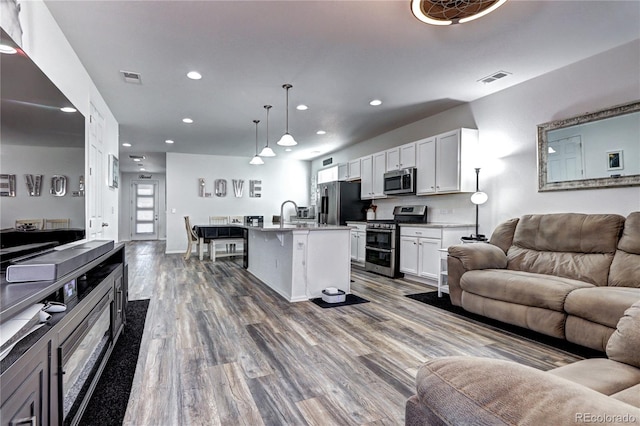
[{"x": 49, "y": 375}]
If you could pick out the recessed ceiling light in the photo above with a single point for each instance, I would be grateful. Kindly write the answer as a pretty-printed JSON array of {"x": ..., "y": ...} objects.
[
  {"x": 168, "y": 141},
  {"x": 9, "y": 50},
  {"x": 137, "y": 159},
  {"x": 194, "y": 75},
  {"x": 375, "y": 102},
  {"x": 68, "y": 109},
  {"x": 127, "y": 144},
  {"x": 288, "y": 149},
  {"x": 321, "y": 132},
  {"x": 143, "y": 169},
  {"x": 187, "y": 120},
  {"x": 302, "y": 107}
]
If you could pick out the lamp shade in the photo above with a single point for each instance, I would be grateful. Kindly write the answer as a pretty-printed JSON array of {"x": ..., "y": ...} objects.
[
  {"x": 267, "y": 152},
  {"x": 256, "y": 160},
  {"x": 479, "y": 198},
  {"x": 287, "y": 140}
]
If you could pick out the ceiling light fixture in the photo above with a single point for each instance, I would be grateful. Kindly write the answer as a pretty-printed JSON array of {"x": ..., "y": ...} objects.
[
  {"x": 266, "y": 151},
  {"x": 194, "y": 75},
  {"x": 321, "y": 132},
  {"x": 187, "y": 120},
  {"x": 446, "y": 12},
  {"x": 6, "y": 49},
  {"x": 302, "y": 107},
  {"x": 256, "y": 160},
  {"x": 287, "y": 139},
  {"x": 68, "y": 109},
  {"x": 375, "y": 102},
  {"x": 127, "y": 144},
  {"x": 169, "y": 141}
]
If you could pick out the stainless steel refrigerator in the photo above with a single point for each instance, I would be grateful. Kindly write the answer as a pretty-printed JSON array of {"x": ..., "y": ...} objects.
[{"x": 340, "y": 202}]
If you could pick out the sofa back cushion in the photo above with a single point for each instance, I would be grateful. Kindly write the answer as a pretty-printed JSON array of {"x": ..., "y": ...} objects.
[
  {"x": 502, "y": 236},
  {"x": 625, "y": 268},
  {"x": 624, "y": 343},
  {"x": 571, "y": 245}
]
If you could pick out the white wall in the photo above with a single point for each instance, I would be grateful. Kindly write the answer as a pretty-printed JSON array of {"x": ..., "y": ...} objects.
[
  {"x": 126, "y": 182},
  {"x": 507, "y": 124},
  {"x": 37, "y": 160},
  {"x": 281, "y": 180},
  {"x": 47, "y": 46}
]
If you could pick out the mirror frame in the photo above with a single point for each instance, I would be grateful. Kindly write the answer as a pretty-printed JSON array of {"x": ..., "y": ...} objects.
[{"x": 607, "y": 182}]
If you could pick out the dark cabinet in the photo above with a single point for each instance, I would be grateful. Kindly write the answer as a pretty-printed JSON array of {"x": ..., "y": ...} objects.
[
  {"x": 26, "y": 389},
  {"x": 50, "y": 362}
]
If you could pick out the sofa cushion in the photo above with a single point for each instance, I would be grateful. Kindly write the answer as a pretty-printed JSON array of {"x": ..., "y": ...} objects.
[
  {"x": 522, "y": 288},
  {"x": 479, "y": 256},
  {"x": 624, "y": 343},
  {"x": 600, "y": 374},
  {"x": 489, "y": 391},
  {"x": 625, "y": 268},
  {"x": 570, "y": 245},
  {"x": 602, "y": 305},
  {"x": 630, "y": 395},
  {"x": 502, "y": 236}
]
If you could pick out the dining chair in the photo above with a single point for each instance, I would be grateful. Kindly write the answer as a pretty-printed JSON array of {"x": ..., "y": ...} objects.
[
  {"x": 192, "y": 237},
  {"x": 56, "y": 223},
  {"x": 29, "y": 224}
]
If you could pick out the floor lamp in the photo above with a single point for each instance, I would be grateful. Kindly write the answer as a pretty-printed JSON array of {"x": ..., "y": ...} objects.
[{"x": 478, "y": 198}]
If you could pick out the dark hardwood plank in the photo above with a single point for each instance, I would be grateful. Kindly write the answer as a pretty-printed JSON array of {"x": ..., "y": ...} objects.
[{"x": 221, "y": 348}]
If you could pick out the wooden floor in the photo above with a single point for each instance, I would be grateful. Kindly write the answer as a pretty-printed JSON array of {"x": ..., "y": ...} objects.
[{"x": 220, "y": 348}]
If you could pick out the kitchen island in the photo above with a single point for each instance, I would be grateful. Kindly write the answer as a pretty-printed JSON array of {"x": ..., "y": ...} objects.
[{"x": 299, "y": 261}]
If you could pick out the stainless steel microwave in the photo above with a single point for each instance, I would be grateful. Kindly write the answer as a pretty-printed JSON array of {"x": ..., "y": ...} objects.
[{"x": 400, "y": 182}]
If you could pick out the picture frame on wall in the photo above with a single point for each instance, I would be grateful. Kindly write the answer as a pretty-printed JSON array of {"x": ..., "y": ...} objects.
[
  {"x": 615, "y": 160},
  {"x": 114, "y": 171}
]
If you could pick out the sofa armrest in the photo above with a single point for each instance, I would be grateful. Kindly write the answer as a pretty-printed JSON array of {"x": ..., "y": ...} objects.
[
  {"x": 479, "y": 256},
  {"x": 467, "y": 257},
  {"x": 460, "y": 390}
]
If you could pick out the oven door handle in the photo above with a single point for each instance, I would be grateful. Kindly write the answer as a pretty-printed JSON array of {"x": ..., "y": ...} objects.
[
  {"x": 381, "y": 231},
  {"x": 378, "y": 249}
]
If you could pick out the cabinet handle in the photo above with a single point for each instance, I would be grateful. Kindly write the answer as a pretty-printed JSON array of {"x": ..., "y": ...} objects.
[{"x": 33, "y": 421}]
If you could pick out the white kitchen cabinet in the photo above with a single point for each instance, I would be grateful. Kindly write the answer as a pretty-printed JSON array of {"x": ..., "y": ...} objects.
[
  {"x": 354, "y": 170},
  {"x": 343, "y": 171},
  {"x": 401, "y": 157},
  {"x": 358, "y": 241},
  {"x": 420, "y": 247},
  {"x": 445, "y": 163},
  {"x": 409, "y": 255},
  {"x": 372, "y": 177}
]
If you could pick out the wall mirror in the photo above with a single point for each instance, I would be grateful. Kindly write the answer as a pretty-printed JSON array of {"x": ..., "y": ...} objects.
[
  {"x": 594, "y": 150},
  {"x": 38, "y": 139}
]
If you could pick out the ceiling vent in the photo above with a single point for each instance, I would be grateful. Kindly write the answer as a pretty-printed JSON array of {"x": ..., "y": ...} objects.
[
  {"x": 137, "y": 157},
  {"x": 493, "y": 77},
  {"x": 131, "y": 77}
]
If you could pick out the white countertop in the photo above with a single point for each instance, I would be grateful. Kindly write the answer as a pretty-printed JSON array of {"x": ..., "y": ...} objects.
[
  {"x": 290, "y": 227},
  {"x": 438, "y": 225}
]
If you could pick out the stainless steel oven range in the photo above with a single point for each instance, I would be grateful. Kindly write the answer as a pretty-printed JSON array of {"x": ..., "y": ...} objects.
[{"x": 382, "y": 248}]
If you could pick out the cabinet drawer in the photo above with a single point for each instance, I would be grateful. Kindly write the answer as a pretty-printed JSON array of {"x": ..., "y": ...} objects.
[{"x": 407, "y": 231}]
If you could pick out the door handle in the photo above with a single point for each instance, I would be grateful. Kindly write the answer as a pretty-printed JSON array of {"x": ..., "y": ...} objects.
[{"x": 104, "y": 224}]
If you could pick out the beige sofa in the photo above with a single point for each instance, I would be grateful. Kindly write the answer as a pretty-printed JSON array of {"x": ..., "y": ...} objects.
[
  {"x": 569, "y": 275},
  {"x": 481, "y": 391}
]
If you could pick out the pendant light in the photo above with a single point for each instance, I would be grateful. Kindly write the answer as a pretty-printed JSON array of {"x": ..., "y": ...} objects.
[
  {"x": 287, "y": 139},
  {"x": 266, "y": 151},
  {"x": 256, "y": 160}
]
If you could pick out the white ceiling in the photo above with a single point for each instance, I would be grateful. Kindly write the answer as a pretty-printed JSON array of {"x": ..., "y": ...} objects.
[{"x": 338, "y": 55}]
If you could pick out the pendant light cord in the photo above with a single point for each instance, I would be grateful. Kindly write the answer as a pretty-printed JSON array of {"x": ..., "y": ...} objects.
[{"x": 256, "y": 121}]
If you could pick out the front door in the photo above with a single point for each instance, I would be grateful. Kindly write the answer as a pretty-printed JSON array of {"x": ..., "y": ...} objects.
[{"x": 144, "y": 205}]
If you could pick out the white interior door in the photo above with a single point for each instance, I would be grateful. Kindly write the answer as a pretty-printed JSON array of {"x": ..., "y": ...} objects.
[
  {"x": 565, "y": 160},
  {"x": 144, "y": 208},
  {"x": 96, "y": 182}
]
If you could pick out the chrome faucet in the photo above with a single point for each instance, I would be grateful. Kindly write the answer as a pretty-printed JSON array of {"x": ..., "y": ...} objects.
[{"x": 282, "y": 211}]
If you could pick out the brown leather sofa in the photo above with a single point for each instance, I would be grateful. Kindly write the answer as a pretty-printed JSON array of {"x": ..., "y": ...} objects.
[
  {"x": 482, "y": 391},
  {"x": 568, "y": 275}
]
